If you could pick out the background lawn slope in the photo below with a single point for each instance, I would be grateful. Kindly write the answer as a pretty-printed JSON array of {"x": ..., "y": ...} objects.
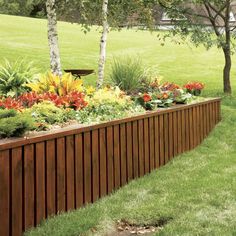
[
  {"x": 196, "y": 192},
  {"x": 27, "y": 38}
]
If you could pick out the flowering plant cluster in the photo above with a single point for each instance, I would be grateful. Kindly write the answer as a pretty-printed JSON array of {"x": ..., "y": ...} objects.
[
  {"x": 164, "y": 95},
  {"x": 194, "y": 88}
]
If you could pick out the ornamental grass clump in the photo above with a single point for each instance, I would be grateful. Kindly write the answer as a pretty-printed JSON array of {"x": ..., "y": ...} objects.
[{"x": 129, "y": 75}]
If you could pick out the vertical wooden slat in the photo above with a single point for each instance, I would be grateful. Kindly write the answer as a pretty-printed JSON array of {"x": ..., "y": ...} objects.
[
  {"x": 61, "y": 175},
  {"x": 95, "y": 164},
  {"x": 205, "y": 120},
  {"x": 51, "y": 178},
  {"x": 40, "y": 182},
  {"x": 70, "y": 173},
  {"x": 170, "y": 135},
  {"x": 175, "y": 133},
  {"x": 123, "y": 154},
  {"x": 161, "y": 140},
  {"x": 187, "y": 130},
  {"x": 146, "y": 147},
  {"x": 183, "y": 124},
  {"x": 135, "y": 148},
  {"x": 110, "y": 160},
  {"x": 17, "y": 193},
  {"x": 5, "y": 193},
  {"x": 29, "y": 185},
  {"x": 157, "y": 149},
  {"x": 151, "y": 143},
  {"x": 87, "y": 168},
  {"x": 198, "y": 126},
  {"x": 166, "y": 138},
  {"x": 79, "y": 183},
  {"x": 179, "y": 132},
  {"x": 141, "y": 147},
  {"x": 129, "y": 151},
  {"x": 191, "y": 129},
  {"x": 103, "y": 162},
  {"x": 117, "y": 156},
  {"x": 208, "y": 119}
]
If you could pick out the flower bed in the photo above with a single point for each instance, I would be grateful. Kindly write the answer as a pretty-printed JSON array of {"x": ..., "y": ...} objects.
[{"x": 58, "y": 171}]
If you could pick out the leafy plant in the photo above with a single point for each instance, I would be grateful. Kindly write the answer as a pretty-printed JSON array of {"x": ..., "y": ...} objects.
[
  {"x": 54, "y": 84},
  {"x": 14, "y": 76},
  {"x": 10, "y": 103},
  {"x": 13, "y": 124},
  {"x": 128, "y": 74},
  {"x": 47, "y": 112}
]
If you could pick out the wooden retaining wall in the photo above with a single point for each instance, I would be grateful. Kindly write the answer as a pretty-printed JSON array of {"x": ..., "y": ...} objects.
[{"x": 55, "y": 172}]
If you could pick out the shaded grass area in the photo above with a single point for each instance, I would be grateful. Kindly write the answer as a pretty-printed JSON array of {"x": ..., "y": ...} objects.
[{"x": 195, "y": 193}]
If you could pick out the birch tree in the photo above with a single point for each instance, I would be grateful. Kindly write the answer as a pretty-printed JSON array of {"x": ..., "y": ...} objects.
[
  {"x": 103, "y": 43},
  {"x": 55, "y": 61}
]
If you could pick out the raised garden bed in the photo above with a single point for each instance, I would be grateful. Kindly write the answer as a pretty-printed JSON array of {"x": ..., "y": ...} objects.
[{"x": 63, "y": 170}]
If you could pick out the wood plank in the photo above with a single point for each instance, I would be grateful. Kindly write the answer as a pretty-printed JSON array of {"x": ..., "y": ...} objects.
[
  {"x": 175, "y": 133},
  {"x": 110, "y": 160},
  {"x": 103, "y": 162},
  {"x": 161, "y": 140},
  {"x": 183, "y": 124},
  {"x": 146, "y": 147},
  {"x": 179, "y": 132},
  {"x": 61, "y": 175},
  {"x": 129, "y": 151},
  {"x": 51, "y": 178},
  {"x": 205, "y": 120},
  {"x": 17, "y": 194},
  {"x": 198, "y": 126},
  {"x": 87, "y": 168},
  {"x": 157, "y": 149},
  {"x": 187, "y": 130},
  {"x": 29, "y": 185},
  {"x": 166, "y": 138},
  {"x": 117, "y": 156},
  {"x": 170, "y": 136},
  {"x": 141, "y": 147},
  {"x": 70, "y": 173},
  {"x": 191, "y": 141},
  {"x": 95, "y": 164},
  {"x": 135, "y": 148},
  {"x": 123, "y": 154},
  {"x": 151, "y": 143},
  {"x": 5, "y": 192},
  {"x": 40, "y": 182},
  {"x": 79, "y": 175}
]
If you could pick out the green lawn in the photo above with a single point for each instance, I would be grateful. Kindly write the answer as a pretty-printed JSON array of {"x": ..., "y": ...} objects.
[
  {"x": 27, "y": 38},
  {"x": 196, "y": 192}
]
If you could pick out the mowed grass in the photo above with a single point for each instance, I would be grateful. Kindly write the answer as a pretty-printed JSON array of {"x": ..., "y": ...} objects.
[
  {"x": 27, "y": 38},
  {"x": 196, "y": 192}
]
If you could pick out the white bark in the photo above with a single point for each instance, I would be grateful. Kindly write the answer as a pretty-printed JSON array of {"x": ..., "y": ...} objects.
[
  {"x": 55, "y": 61},
  {"x": 103, "y": 43}
]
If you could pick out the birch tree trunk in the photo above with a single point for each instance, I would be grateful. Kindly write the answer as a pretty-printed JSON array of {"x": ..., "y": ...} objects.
[
  {"x": 103, "y": 42},
  {"x": 55, "y": 61}
]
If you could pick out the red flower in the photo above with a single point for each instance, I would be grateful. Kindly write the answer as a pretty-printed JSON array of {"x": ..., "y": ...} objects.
[
  {"x": 147, "y": 97},
  {"x": 194, "y": 86},
  {"x": 165, "y": 95}
]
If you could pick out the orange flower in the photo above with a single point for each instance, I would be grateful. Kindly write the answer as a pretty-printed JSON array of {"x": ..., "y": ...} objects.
[
  {"x": 165, "y": 95},
  {"x": 146, "y": 97}
]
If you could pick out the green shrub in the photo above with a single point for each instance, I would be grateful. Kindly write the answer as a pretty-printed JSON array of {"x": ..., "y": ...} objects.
[
  {"x": 129, "y": 75},
  {"x": 7, "y": 113},
  {"x": 46, "y": 113},
  {"x": 15, "y": 125},
  {"x": 14, "y": 76}
]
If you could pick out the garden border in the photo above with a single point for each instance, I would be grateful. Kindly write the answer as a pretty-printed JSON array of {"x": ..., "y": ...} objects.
[{"x": 63, "y": 170}]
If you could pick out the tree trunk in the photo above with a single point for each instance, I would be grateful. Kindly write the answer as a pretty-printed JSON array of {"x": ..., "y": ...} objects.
[
  {"x": 103, "y": 42},
  {"x": 227, "y": 69},
  {"x": 55, "y": 61}
]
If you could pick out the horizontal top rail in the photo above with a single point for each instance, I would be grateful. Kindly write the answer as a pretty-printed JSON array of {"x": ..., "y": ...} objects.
[{"x": 77, "y": 129}]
